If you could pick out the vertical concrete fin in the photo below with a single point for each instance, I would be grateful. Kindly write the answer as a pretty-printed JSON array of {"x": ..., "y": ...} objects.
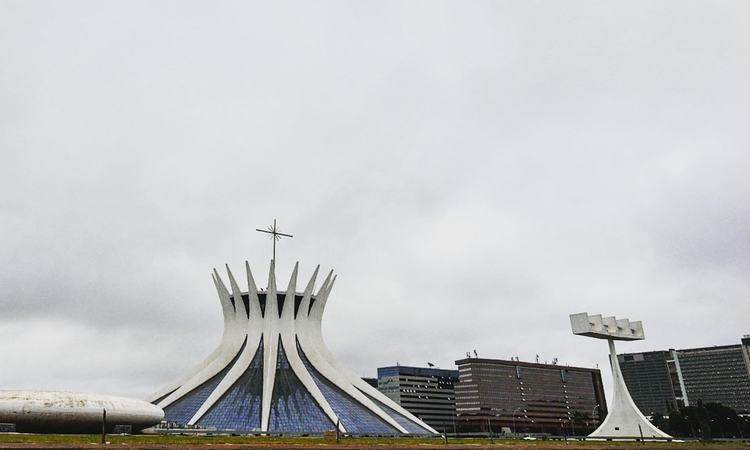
[
  {"x": 239, "y": 305},
  {"x": 304, "y": 306},
  {"x": 316, "y": 309},
  {"x": 218, "y": 278},
  {"x": 226, "y": 305},
  {"x": 287, "y": 312},
  {"x": 325, "y": 283},
  {"x": 220, "y": 286},
  {"x": 270, "y": 348},
  {"x": 252, "y": 291},
  {"x": 322, "y": 299}
]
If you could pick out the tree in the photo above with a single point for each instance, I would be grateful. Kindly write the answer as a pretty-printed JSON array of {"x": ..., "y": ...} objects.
[
  {"x": 583, "y": 423},
  {"x": 704, "y": 420}
]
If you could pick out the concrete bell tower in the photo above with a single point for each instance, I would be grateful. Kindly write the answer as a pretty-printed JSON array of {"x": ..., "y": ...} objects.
[{"x": 624, "y": 420}]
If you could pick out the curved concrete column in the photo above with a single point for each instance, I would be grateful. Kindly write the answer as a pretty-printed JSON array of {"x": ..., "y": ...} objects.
[
  {"x": 624, "y": 418},
  {"x": 270, "y": 346},
  {"x": 316, "y": 336},
  {"x": 288, "y": 339},
  {"x": 253, "y": 334},
  {"x": 316, "y": 356},
  {"x": 231, "y": 342}
]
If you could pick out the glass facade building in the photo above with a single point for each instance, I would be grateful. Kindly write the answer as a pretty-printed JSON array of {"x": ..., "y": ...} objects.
[
  {"x": 428, "y": 393},
  {"x": 527, "y": 397},
  {"x": 662, "y": 380},
  {"x": 651, "y": 380}
]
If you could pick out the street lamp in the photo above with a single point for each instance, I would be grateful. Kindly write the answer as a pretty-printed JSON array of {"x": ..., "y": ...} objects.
[
  {"x": 514, "y": 420},
  {"x": 600, "y": 414}
]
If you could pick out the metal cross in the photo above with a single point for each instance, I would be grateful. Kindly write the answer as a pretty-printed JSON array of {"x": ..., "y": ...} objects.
[{"x": 275, "y": 235}]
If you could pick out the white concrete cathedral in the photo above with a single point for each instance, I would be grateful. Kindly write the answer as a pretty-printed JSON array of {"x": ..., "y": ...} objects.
[{"x": 272, "y": 372}]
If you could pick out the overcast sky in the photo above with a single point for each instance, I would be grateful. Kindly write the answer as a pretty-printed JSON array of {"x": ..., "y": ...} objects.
[{"x": 473, "y": 171}]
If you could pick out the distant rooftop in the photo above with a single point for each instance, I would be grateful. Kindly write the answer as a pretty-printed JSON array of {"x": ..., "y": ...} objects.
[
  {"x": 416, "y": 371},
  {"x": 744, "y": 341},
  {"x": 511, "y": 362}
]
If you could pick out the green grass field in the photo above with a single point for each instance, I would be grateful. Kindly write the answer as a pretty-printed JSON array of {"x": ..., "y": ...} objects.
[{"x": 177, "y": 441}]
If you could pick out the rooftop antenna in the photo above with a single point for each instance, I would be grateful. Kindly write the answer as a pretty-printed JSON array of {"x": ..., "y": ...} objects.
[{"x": 276, "y": 235}]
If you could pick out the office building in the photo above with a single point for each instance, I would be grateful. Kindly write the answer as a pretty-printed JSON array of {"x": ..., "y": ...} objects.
[
  {"x": 652, "y": 380},
  {"x": 528, "y": 397},
  {"x": 428, "y": 393},
  {"x": 661, "y": 381}
]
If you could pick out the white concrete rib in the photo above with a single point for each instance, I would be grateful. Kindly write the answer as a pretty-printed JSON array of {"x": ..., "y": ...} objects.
[
  {"x": 226, "y": 308},
  {"x": 230, "y": 344},
  {"x": 253, "y": 333},
  {"x": 316, "y": 335},
  {"x": 288, "y": 339},
  {"x": 306, "y": 334},
  {"x": 270, "y": 347}
]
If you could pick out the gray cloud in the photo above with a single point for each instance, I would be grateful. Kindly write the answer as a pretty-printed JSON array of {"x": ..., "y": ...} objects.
[{"x": 474, "y": 172}]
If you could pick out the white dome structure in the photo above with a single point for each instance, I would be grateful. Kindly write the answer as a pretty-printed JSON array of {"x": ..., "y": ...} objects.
[
  {"x": 272, "y": 372},
  {"x": 71, "y": 412}
]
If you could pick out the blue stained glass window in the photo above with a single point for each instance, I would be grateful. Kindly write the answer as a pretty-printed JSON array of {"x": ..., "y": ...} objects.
[
  {"x": 185, "y": 407},
  {"x": 239, "y": 408},
  {"x": 356, "y": 418},
  {"x": 293, "y": 409},
  {"x": 402, "y": 420}
]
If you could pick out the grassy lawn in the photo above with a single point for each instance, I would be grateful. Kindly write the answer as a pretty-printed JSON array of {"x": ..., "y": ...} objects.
[{"x": 144, "y": 441}]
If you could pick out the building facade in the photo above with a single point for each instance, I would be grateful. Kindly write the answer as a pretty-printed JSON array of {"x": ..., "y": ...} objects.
[
  {"x": 652, "y": 380},
  {"x": 272, "y": 372},
  {"x": 661, "y": 381},
  {"x": 428, "y": 393},
  {"x": 528, "y": 397}
]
